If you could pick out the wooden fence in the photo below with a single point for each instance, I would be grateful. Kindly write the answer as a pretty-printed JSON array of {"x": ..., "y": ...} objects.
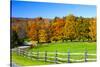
[{"x": 54, "y": 56}]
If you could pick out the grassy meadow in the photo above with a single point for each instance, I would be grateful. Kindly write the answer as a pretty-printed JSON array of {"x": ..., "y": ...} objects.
[
  {"x": 73, "y": 47},
  {"x": 77, "y": 47}
]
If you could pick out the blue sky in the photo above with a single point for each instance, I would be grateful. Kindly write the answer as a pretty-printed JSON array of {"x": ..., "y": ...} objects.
[{"x": 50, "y": 10}]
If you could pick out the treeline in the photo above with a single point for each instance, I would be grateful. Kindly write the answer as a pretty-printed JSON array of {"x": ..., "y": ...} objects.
[{"x": 47, "y": 30}]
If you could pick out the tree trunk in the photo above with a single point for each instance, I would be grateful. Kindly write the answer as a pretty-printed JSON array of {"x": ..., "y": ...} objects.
[{"x": 37, "y": 36}]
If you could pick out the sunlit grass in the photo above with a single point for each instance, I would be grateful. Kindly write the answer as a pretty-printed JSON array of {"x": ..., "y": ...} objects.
[{"x": 73, "y": 47}]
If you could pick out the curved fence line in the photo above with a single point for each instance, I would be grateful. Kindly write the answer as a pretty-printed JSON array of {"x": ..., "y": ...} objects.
[{"x": 54, "y": 56}]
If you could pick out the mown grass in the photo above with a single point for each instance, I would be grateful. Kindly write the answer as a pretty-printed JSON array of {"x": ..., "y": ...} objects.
[
  {"x": 23, "y": 61},
  {"x": 73, "y": 47}
]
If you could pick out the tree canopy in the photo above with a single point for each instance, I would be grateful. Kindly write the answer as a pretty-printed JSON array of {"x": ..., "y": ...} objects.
[{"x": 46, "y": 30}]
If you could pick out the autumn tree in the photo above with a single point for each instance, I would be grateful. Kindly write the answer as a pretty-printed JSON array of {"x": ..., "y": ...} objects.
[
  {"x": 31, "y": 30},
  {"x": 69, "y": 28},
  {"x": 57, "y": 29},
  {"x": 47, "y": 30},
  {"x": 92, "y": 28},
  {"x": 82, "y": 30}
]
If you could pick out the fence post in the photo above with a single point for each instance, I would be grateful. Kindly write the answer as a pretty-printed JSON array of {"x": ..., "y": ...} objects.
[
  {"x": 26, "y": 53},
  {"x": 68, "y": 56},
  {"x": 38, "y": 55},
  {"x": 22, "y": 52},
  {"x": 17, "y": 51},
  {"x": 31, "y": 55},
  {"x": 86, "y": 56},
  {"x": 56, "y": 56},
  {"x": 45, "y": 56}
]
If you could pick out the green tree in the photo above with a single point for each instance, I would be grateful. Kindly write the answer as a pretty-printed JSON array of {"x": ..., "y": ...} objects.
[
  {"x": 14, "y": 39},
  {"x": 82, "y": 26}
]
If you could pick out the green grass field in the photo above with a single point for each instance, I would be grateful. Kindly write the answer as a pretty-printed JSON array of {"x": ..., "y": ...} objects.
[{"x": 73, "y": 47}]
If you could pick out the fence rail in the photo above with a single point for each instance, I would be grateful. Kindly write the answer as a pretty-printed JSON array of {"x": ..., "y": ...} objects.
[{"x": 54, "y": 56}]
